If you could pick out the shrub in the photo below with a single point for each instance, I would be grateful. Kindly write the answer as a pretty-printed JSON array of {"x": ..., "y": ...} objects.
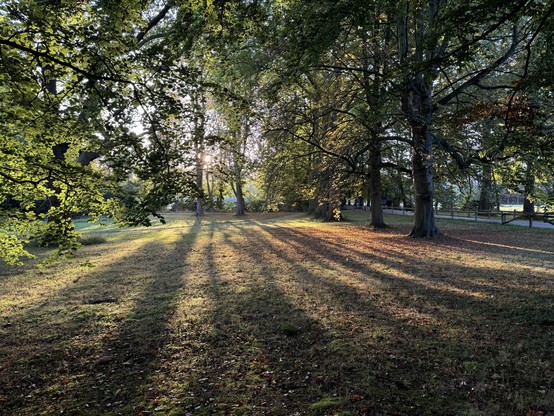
[{"x": 92, "y": 240}]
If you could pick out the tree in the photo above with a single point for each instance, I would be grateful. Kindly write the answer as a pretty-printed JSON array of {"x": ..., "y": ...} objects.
[
  {"x": 445, "y": 50},
  {"x": 76, "y": 77}
]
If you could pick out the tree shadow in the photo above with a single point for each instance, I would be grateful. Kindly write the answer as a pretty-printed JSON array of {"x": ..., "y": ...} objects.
[
  {"x": 92, "y": 347},
  {"x": 426, "y": 267},
  {"x": 266, "y": 319},
  {"x": 446, "y": 326},
  {"x": 261, "y": 355}
]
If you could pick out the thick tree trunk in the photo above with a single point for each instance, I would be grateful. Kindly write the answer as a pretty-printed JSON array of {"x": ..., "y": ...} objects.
[
  {"x": 375, "y": 192},
  {"x": 328, "y": 212},
  {"x": 236, "y": 184},
  {"x": 424, "y": 215},
  {"x": 417, "y": 104},
  {"x": 486, "y": 190},
  {"x": 220, "y": 198},
  {"x": 328, "y": 207},
  {"x": 241, "y": 210},
  {"x": 312, "y": 206},
  {"x": 528, "y": 203}
]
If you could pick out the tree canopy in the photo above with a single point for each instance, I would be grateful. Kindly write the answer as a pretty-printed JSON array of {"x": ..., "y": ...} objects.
[{"x": 110, "y": 107}]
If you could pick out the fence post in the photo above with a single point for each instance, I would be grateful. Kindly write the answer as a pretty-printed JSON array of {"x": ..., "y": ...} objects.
[
  {"x": 476, "y": 211},
  {"x": 452, "y": 212},
  {"x": 530, "y": 220},
  {"x": 514, "y": 214}
]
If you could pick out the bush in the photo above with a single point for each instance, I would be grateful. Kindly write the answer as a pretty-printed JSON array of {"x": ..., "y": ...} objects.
[{"x": 92, "y": 240}]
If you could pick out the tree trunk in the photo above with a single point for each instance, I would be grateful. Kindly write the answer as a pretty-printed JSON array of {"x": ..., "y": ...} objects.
[
  {"x": 240, "y": 199},
  {"x": 328, "y": 203},
  {"x": 198, "y": 137},
  {"x": 528, "y": 203},
  {"x": 416, "y": 99},
  {"x": 424, "y": 215},
  {"x": 401, "y": 190},
  {"x": 486, "y": 191},
  {"x": 312, "y": 206},
  {"x": 236, "y": 184},
  {"x": 375, "y": 193},
  {"x": 417, "y": 105},
  {"x": 199, "y": 177},
  {"x": 220, "y": 197},
  {"x": 496, "y": 194},
  {"x": 210, "y": 188}
]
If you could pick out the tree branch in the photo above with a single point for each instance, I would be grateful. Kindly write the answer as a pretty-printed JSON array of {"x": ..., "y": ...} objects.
[
  {"x": 153, "y": 23},
  {"x": 483, "y": 73},
  {"x": 65, "y": 64}
]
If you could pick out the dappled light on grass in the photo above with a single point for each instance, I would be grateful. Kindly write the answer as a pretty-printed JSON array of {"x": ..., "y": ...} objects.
[
  {"x": 38, "y": 286},
  {"x": 276, "y": 317},
  {"x": 84, "y": 333}
]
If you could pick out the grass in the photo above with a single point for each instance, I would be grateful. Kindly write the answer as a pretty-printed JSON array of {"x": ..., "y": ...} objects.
[{"x": 280, "y": 315}]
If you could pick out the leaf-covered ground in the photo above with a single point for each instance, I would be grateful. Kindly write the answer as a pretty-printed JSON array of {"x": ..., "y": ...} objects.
[{"x": 280, "y": 315}]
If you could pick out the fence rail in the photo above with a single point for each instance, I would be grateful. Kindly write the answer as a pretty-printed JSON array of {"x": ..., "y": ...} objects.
[{"x": 502, "y": 217}]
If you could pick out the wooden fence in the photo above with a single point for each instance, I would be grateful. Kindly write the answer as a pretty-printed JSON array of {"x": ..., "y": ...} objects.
[{"x": 503, "y": 217}]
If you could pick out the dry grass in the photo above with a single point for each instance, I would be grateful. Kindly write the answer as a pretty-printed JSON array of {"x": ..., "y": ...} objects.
[{"x": 284, "y": 316}]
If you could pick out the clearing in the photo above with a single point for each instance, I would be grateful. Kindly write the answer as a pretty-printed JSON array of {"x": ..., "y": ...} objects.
[{"x": 281, "y": 315}]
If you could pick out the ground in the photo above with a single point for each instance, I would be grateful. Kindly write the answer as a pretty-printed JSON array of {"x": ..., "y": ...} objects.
[{"x": 280, "y": 315}]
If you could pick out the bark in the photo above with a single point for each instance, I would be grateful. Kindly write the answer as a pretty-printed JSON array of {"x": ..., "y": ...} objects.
[
  {"x": 496, "y": 194},
  {"x": 424, "y": 215},
  {"x": 328, "y": 206},
  {"x": 375, "y": 95},
  {"x": 486, "y": 189},
  {"x": 220, "y": 198},
  {"x": 417, "y": 105},
  {"x": 375, "y": 191},
  {"x": 312, "y": 206},
  {"x": 199, "y": 133},
  {"x": 327, "y": 211},
  {"x": 528, "y": 203},
  {"x": 210, "y": 188},
  {"x": 199, "y": 177},
  {"x": 240, "y": 199},
  {"x": 401, "y": 190}
]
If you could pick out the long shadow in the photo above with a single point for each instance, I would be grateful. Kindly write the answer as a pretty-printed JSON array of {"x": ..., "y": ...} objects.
[
  {"x": 411, "y": 271},
  {"x": 252, "y": 367},
  {"x": 520, "y": 244},
  {"x": 99, "y": 358},
  {"x": 526, "y": 303},
  {"x": 473, "y": 330},
  {"x": 261, "y": 355}
]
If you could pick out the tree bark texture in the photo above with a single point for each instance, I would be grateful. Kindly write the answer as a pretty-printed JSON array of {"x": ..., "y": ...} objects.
[
  {"x": 241, "y": 210},
  {"x": 418, "y": 106},
  {"x": 375, "y": 191},
  {"x": 424, "y": 214},
  {"x": 486, "y": 189}
]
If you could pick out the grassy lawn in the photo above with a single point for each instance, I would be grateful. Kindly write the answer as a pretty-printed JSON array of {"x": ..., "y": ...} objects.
[{"x": 280, "y": 315}]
